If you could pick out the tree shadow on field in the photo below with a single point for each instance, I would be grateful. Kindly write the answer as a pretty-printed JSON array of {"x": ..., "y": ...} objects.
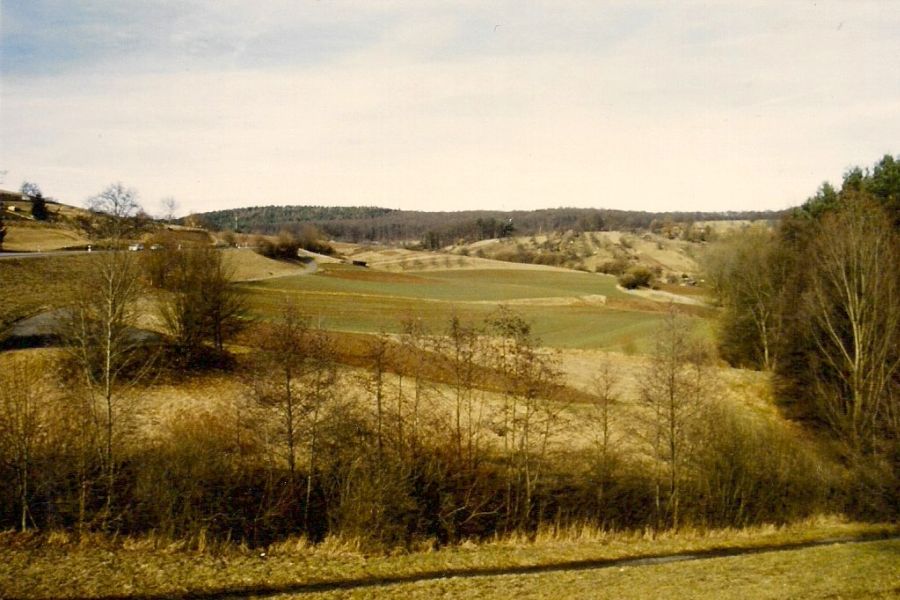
[{"x": 263, "y": 590}]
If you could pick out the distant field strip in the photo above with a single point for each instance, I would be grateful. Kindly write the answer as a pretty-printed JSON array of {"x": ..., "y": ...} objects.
[
  {"x": 454, "y": 286},
  {"x": 567, "y": 309}
]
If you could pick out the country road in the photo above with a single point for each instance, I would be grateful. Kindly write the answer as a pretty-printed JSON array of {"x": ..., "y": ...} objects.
[{"x": 14, "y": 255}]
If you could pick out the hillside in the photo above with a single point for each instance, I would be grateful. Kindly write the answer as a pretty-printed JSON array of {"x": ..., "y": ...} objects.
[
  {"x": 436, "y": 229},
  {"x": 613, "y": 252}
]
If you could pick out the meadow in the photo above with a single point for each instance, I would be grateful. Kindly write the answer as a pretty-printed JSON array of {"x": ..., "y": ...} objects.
[
  {"x": 224, "y": 443},
  {"x": 806, "y": 560},
  {"x": 567, "y": 309}
]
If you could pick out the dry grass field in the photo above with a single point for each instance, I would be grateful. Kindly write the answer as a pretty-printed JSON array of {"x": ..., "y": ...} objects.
[
  {"x": 34, "y": 284},
  {"x": 26, "y": 236},
  {"x": 585, "y": 322},
  {"x": 567, "y": 309},
  {"x": 570, "y": 563},
  {"x": 247, "y": 265},
  {"x": 589, "y": 250}
]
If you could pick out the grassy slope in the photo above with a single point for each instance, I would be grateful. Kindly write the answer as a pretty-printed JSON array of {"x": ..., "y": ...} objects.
[
  {"x": 589, "y": 250},
  {"x": 566, "y": 308},
  {"x": 36, "y": 238},
  {"x": 35, "y": 569},
  {"x": 30, "y": 285},
  {"x": 248, "y": 265}
]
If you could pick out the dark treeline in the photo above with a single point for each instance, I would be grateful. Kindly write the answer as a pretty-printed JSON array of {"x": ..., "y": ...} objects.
[
  {"x": 435, "y": 229},
  {"x": 817, "y": 303}
]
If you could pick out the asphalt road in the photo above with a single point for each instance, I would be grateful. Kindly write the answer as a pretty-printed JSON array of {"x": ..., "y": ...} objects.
[{"x": 12, "y": 255}]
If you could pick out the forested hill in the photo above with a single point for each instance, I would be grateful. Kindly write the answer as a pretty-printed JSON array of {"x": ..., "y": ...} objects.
[{"x": 366, "y": 223}]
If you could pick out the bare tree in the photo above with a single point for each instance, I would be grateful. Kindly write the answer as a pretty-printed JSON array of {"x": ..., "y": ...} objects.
[
  {"x": 462, "y": 342},
  {"x": 203, "y": 304},
  {"x": 169, "y": 206},
  {"x": 117, "y": 206},
  {"x": 378, "y": 364},
  {"x": 673, "y": 391},
  {"x": 22, "y": 402},
  {"x": 747, "y": 273},
  {"x": 319, "y": 379},
  {"x": 2, "y": 225},
  {"x": 282, "y": 352},
  {"x": 414, "y": 342},
  {"x": 108, "y": 353},
  {"x": 853, "y": 305},
  {"x": 116, "y": 200},
  {"x": 31, "y": 189},
  {"x": 528, "y": 414},
  {"x": 601, "y": 415}
]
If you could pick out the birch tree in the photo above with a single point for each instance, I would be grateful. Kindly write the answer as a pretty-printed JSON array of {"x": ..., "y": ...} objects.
[{"x": 853, "y": 312}]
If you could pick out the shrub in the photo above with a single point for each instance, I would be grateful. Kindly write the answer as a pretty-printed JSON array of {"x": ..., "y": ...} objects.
[
  {"x": 615, "y": 266},
  {"x": 636, "y": 277},
  {"x": 749, "y": 471}
]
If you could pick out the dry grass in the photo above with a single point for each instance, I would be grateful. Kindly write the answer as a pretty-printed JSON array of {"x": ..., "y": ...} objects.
[
  {"x": 34, "y": 237},
  {"x": 402, "y": 259},
  {"x": 836, "y": 571},
  {"x": 60, "y": 566},
  {"x": 589, "y": 250},
  {"x": 250, "y": 266},
  {"x": 31, "y": 285}
]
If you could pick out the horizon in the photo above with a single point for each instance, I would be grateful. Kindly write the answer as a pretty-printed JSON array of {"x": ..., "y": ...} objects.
[
  {"x": 442, "y": 107},
  {"x": 54, "y": 200}
]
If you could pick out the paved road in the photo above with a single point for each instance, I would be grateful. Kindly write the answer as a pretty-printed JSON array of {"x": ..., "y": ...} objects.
[{"x": 12, "y": 255}]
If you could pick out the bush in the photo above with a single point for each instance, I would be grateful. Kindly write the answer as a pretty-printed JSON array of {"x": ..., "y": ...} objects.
[
  {"x": 616, "y": 266},
  {"x": 749, "y": 471},
  {"x": 287, "y": 244},
  {"x": 636, "y": 277}
]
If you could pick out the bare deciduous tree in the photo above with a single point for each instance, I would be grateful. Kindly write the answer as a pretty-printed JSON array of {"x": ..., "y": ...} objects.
[
  {"x": 117, "y": 206},
  {"x": 747, "y": 274},
  {"x": 108, "y": 352},
  {"x": 528, "y": 414},
  {"x": 282, "y": 352},
  {"x": 203, "y": 304},
  {"x": 602, "y": 416},
  {"x": 169, "y": 207},
  {"x": 378, "y": 364},
  {"x": 22, "y": 403},
  {"x": 673, "y": 389},
  {"x": 853, "y": 306}
]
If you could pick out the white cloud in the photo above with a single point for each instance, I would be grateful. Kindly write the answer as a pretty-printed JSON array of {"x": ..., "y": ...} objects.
[{"x": 675, "y": 108}]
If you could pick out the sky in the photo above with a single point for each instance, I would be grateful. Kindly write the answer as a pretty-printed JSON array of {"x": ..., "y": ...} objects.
[{"x": 429, "y": 105}]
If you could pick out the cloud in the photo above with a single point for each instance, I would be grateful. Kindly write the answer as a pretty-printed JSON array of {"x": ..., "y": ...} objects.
[{"x": 432, "y": 106}]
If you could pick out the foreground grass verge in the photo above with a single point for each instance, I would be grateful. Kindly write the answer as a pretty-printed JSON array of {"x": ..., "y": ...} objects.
[
  {"x": 56, "y": 567},
  {"x": 864, "y": 570}
]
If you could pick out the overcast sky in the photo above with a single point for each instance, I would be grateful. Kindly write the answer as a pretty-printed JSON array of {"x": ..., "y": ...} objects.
[{"x": 447, "y": 105}]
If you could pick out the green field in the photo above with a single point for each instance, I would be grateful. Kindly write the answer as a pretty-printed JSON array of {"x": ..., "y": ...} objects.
[{"x": 564, "y": 308}]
